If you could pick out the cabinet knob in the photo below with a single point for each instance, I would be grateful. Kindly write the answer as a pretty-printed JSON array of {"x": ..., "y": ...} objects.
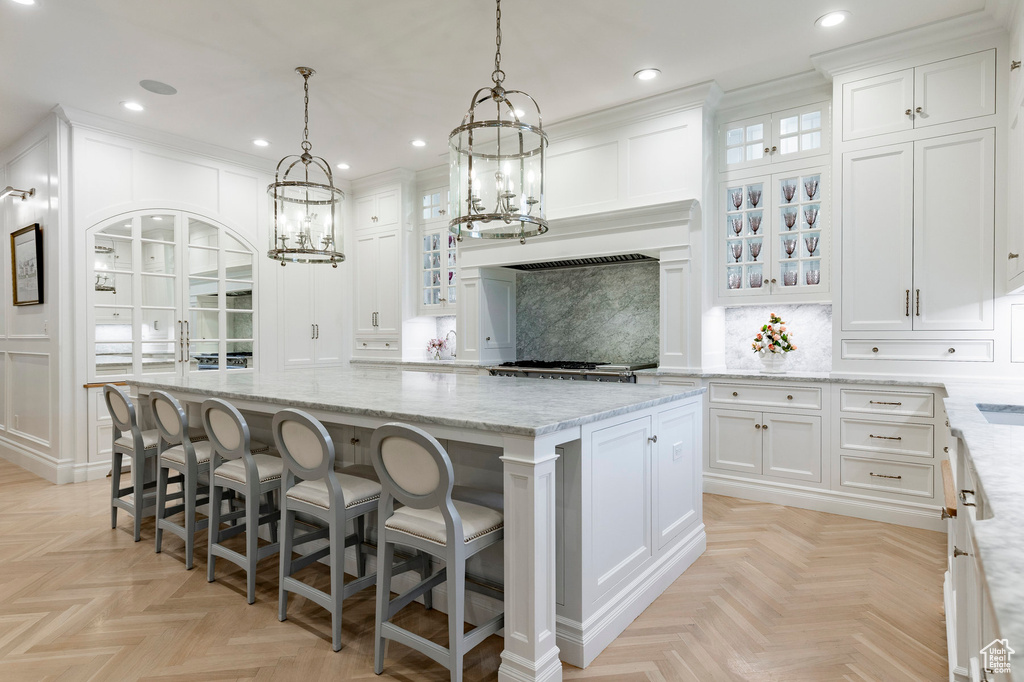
[
  {"x": 388, "y": 345},
  {"x": 735, "y": 394},
  {"x": 767, "y": 150},
  {"x": 919, "y": 110},
  {"x": 764, "y": 426},
  {"x": 908, "y": 112},
  {"x": 653, "y": 439},
  {"x": 959, "y": 552},
  {"x": 951, "y": 350},
  {"x": 774, "y": 149},
  {"x": 364, "y": 344},
  {"x": 488, "y": 338},
  {"x": 441, "y": 212},
  {"x": 945, "y": 449},
  {"x": 789, "y": 397},
  {"x": 757, "y": 426},
  {"x": 443, "y": 300},
  {"x": 774, "y": 281},
  {"x": 1015, "y": 64},
  {"x": 1013, "y": 255},
  {"x": 875, "y": 349},
  {"x": 354, "y": 441}
]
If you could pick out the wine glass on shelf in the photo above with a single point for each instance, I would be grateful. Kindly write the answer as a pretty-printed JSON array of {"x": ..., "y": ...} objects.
[
  {"x": 790, "y": 246},
  {"x": 811, "y": 215},
  {"x": 813, "y": 276},
  {"x": 754, "y": 195},
  {"x": 789, "y": 278},
  {"x": 755, "y": 222},
  {"x": 735, "y": 279},
  {"x": 788, "y": 191},
  {"x": 755, "y": 249},
  {"x": 737, "y": 223},
  {"x": 755, "y": 279},
  {"x": 789, "y": 218},
  {"x": 811, "y": 188},
  {"x": 811, "y": 243},
  {"x": 736, "y": 196},
  {"x": 737, "y": 250}
]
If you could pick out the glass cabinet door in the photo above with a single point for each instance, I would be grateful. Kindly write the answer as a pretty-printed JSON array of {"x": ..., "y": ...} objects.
[
  {"x": 747, "y": 246},
  {"x": 438, "y": 267},
  {"x": 799, "y": 228}
]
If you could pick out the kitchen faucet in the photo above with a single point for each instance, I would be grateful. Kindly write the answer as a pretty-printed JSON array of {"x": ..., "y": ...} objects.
[{"x": 456, "y": 340}]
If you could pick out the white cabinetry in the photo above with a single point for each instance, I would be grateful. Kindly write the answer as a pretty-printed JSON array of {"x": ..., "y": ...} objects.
[
  {"x": 918, "y": 234},
  {"x": 932, "y": 94},
  {"x": 312, "y": 328},
  {"x": 378, "y": 210},
  {"x": 378, "y": 291},
  {"x": 776, "y": 137},
  {"x": 436, "y": 273}
]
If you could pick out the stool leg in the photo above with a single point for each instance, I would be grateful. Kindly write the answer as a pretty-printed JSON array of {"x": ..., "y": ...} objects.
[
  {"x": 287, "y": 523},
  {"x": 385, "y": 559},
  {"x": 213, "y": 532},
  {"x": 115, "y": 486},
  {"x": 425, "y": 571},
  {"x": 360, "y": 550},
  {"x": 456, "y": 613},
  {"x": 189, "y": 486},
  {"x": 161, "y": 504},
  {"x": 138, "y": 492},
  {"x": 270, "y": 510},
  {"x": 252, "y": 528},
  {"x": 336, "y": 533}
]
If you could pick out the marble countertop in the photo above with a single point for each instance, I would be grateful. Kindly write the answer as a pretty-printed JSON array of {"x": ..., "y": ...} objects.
[
  {"x": 996, "y": 452},
  {"x": 444, "y": 364},
  {"x": 821, "y": 377},
  {"x": 508, "y": 405}
]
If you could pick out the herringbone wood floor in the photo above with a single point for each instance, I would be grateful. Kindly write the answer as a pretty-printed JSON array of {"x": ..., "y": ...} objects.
[{"x": 782, "y": 594}]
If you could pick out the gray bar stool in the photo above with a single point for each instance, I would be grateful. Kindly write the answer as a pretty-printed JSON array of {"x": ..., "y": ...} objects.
[
  {"x": 188, "y": 454},
  {"x": 310, "y": 485},
  {"x": 247, "y": 473},
  {"x": 138, "y": 445},
  {"x": 415, "y": 470}
]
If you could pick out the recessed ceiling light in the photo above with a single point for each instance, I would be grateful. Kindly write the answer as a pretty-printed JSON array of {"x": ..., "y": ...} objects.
[
  {"x": 132, "y": 106},
  {"x": 343, "y": 166},
  {"x": 832, "y": 19},
  {"x": 647, "y": 74},
  {"x": 25, "y": 2},
  {"x": 260, "y": 142},
  {"x": 419, "y": 143},
  {"x": 158, "y": 88}
]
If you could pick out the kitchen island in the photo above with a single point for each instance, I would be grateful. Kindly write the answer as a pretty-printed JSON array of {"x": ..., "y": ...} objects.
[{"x": 602, "y": 484}]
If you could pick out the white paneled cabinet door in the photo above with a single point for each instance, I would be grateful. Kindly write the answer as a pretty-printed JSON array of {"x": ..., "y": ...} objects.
[
  {"x": 388, "y": 292},
  {"x": 498, "y": 313},
  {"x": 878, "y": 239},
  {"x": 1015, "y": 217},
  {"x": 955, "y": 89},
  {"x": 736, "y": 441},
  {"x": 387, "y": 211},
  {"x": 328, "y": 320},
  {"x": 677, "y": 475},
  {"x": 954, "y": 231},
  {"x": 792, "y": 446},
  {"x": 879, "y": 105},
  {"x": 366, "y": 284},
  {"x": 296, "y": 305}
]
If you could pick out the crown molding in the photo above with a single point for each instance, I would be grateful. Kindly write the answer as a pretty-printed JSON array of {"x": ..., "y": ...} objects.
[
  {"x": 814, "y": 84},
  {"x": 79, "y": 119},
  {"x": 895, "y": 45},
  {"x": 432, "y": 177},
  {"x": 389, "y": 177}
]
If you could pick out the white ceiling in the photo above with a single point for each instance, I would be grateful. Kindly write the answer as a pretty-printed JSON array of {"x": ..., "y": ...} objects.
[{"x": 389, "y": 71}]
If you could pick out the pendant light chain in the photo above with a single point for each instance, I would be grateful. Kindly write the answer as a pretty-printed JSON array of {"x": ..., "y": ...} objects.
[
  {"x": 306, "y": 146},
  {"x": 498, "y": 75}
]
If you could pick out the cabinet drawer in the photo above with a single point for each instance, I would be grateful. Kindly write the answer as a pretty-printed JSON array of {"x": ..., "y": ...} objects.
[
  {"x": 912, "y": 440},
  {"x": 674, "y": 381},
  {"x": 802, "y": 397},
  {"x": 376, "y": 344},
  {"x": 902, "y": 403},
  {"x": 976, "y": 350},
  {"x": 894, "y": 477}
]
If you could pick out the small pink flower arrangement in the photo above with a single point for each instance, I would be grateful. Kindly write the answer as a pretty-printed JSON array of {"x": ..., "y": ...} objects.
[
  {"x": 773, "y": 337},
  {"x": 435, "y": 346}
]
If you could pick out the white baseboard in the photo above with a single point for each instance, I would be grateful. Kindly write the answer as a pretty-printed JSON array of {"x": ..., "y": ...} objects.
[
  {"x": 90, "y": 471},
  {"x": 957, "y": 673},
  {"x": 39, "y": 463},
  {"x": 580, "y": 643},
  {"x": 831, "y": 501}
]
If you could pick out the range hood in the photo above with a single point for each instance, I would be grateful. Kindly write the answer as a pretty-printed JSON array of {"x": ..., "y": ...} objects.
[{"x": 584, "y": 262}]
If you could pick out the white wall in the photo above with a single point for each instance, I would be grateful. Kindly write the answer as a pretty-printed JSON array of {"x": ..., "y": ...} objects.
[{"x": 33, "y": 362}]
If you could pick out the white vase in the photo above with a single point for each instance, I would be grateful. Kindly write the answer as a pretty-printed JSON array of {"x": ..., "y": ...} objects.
[{"x": 773, "y": 363}]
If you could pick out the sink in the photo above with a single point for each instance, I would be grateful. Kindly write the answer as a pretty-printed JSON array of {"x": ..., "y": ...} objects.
[{"x": 1002, "y": 414}]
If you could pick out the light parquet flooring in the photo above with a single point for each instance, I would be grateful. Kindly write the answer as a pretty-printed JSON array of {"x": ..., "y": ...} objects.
[{"x": 782, "y": 594}]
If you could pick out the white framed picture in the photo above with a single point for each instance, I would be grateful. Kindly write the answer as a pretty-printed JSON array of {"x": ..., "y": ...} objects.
[{"x": 27, "y": 265}]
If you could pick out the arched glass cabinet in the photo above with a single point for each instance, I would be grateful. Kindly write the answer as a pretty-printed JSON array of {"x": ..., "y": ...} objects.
[{"x": 169, "y": 292}]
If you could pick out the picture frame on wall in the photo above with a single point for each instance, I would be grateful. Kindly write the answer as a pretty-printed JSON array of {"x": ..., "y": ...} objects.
[{"x": 27, "y": 265}]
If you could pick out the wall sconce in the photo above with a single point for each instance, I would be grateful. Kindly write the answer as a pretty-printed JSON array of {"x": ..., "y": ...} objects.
[{"x": 23, "y": 194}]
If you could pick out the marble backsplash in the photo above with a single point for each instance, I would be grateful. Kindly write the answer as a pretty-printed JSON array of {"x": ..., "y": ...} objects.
[
  {"x": 810, "y": 326},
  {"x": 596, "y": 314}
]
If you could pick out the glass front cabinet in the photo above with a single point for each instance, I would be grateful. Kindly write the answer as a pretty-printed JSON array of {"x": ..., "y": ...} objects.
[
  {"x": 169, "y": 293},
  {"x": 775, "y": 235},
  {"x": 438, "y": 255}
]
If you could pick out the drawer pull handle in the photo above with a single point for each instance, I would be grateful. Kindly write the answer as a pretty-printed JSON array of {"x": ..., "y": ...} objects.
[
  {"x": 963, "y": 498},
  {"x": 959, "y": 552},
  {"x": 871, "y": 435},
  {"x": 735, "y": 394},
  {"x": 1013, "y": 255},
  {"x": 875, "y": 349},
  {"x": 907, "y": 309},
  {"x": 944, "y": 514},
  {"x": 1015, "y": 64},
  {"x": 882, "y": 402},
  {"x": 872, "y": 473},
  {"x": 945, "y": 449},
  {"x": 789, "y": 397}
]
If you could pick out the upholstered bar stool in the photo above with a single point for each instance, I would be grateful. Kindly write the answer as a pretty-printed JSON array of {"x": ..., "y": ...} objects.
[
  {"x": 253, "y": 475},
  {"x": 311, "y": 485},
  {"x": 139, "y": 446},
  {"x": 415, "y": 470}
]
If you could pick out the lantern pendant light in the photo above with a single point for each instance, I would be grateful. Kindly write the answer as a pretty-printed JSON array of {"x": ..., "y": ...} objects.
[
  {"x": 497, "y": 164},
  {"x": 305, "y": 204}
]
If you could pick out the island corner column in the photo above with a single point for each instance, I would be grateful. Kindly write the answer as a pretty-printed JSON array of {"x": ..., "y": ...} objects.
[{"x": 529, "y": 475}]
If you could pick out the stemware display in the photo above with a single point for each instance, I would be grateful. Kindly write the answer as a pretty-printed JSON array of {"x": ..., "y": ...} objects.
[
  {"x": 737, "y": 250},
  {"x": 811, "y": 188},
  {"x": 755, "y": 250},
  {"x": 737, "y": 198},
  {"x": 811, "y": 242},
  {"x": 737, "y": 223},
  {"x": 790, "y": 246},
  {"x": 755, "y": 279},
  {"x": 813, "y": 277},
  {"x": 811, "y": 215},
  {"x": 789, "y": 278},
  {"x": 788, "y": 191},
  {"x": 735, "y": 280},
  {"x": 755, "y": 223},
  {"x": 754, "y": 195},
  {"x": 789, "y": 218}
]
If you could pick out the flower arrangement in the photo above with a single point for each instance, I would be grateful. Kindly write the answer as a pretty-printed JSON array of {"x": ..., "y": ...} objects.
[
  {"x": 773, "y": 337},
  {"x": 435, "y": 346}
]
